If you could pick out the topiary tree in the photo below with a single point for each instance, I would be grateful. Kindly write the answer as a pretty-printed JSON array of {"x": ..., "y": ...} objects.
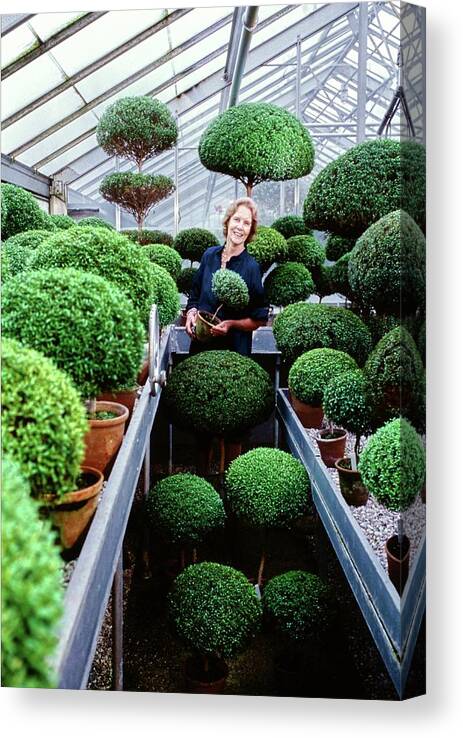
[
  {"x": 43, "y": 420},
  {"x": 135, "y": 192},
  {"x": 166, "y": 257},
  {"x": 267, "y": 488},
  {"x": 21, "y": 212},
  {"x": 32, "y": 594},
  {"x": 136, "y": 128},
  {"x": 345, "y": 403},
  {"x": 62, "y": 221},
  {"x": 19, "y": 249},
  {"x": 81, "y": 321},
  {"x": 185, "y": 280},
  {"x": 393, "y": 464},
  {"x": 311, "y": 373},
  {"x": 255, "y": 142},
  {"x": 145, "y": 237},
  {"x": 364, "y": 184},
  {"x": 387, "y": 266},
  {"x": 337, "y": 246},
  {"x": 164, "y": 294},
  {"x": 220, "y": 393},
  {"x": 191, "y": 243},
  {"x": 288, "y": 283},
  {"x": 230, "y": 289},
  {"x": 267, "y": 246},
  {"x": 291, "y": 225},
  {"x": 301, "y": 327},
  {"x": 340, "y": 276},
  {"x": 94, "y": 222},
  {"x": 323, "y": 282},
  {"x": 306, "y": 250}
]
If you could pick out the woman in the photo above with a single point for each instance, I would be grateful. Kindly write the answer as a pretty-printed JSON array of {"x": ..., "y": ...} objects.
[{"x": 234, "y": 330}]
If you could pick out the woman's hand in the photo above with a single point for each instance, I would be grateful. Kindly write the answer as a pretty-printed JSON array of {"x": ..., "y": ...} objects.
[
  {"x": 222, "y": 328},
  {"x": 190, "y": 322}
]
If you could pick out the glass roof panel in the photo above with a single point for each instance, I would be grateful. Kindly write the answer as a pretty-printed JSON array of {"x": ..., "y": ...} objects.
[
  {"x": 28, "y": 83},
  {"x": 47, "y": 24},
  {"x": 195, "y": 22},
  {"x": 52, "y": 143},
  {"x": 78, "y": 150},
  {"x": 15, "y": 43}
]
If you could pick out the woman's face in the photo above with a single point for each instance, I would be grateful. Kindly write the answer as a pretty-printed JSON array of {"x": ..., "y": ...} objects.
[{"x": 239, "y": 226}]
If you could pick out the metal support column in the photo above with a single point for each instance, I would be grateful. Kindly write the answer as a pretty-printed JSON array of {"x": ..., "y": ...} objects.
[
  {"x": 282, "y": 199},
  {"x": 362, "y": 70},
  {"x": 176, "y": 193},
  {"x": 298, "y": 112},
  {"x": 117, "y": 610},
  {"x": 249, "y": 24},
  {"x": 276, "y": 426}
]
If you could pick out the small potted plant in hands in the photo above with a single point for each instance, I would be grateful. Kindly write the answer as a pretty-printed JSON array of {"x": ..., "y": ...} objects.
[
  {"x": 215, "y": 611},
  {"x": 231, "y": 290}
]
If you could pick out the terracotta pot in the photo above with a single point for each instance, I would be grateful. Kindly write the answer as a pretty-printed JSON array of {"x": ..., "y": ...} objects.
[
  {"x": 200, "y": 682},
  {"x": 204, "y": 322},
  {"x": 104, "y": 437},
  {"x": 310, "y": 416},
  {"x": 74, "y": 511},
  {"x": 397, "y": 561},
  {"x": 124, "y": 397},
  {"x": 352, "y": 488},
  {"x": 143, "y": 373},
  {"x": 331, "y": 449}
]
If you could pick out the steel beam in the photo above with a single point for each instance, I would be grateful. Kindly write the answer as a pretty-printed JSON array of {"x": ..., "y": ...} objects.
[
  {"x": 362, "y": 70},
  {"x": 23, "y": 176}
]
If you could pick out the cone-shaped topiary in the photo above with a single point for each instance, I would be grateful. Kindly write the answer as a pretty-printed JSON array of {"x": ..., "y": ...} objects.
[
  {"x": 21, "y": 212},
  {"x": 337, "y": 246},
  {"x": 214, "y": 609},
  {"x": 267, "y": 246},
  {"x": 230, "y": 289},
  {"x": 164, "y": 294},
  {"x": 81, "y": 321},
  {"x": 184, "y": 508},
  {"x": 345, "y": 403},
  {"x": 92, "y": 221},
  {"x": 136, "y": 128},
  {"x": 32, "y": 594},
  {"x": 60, "y": 220},
  {"x": 340, "y": 276},
  {"x": 145, "y": 237},
  {"x": 301, "y": 327},
  {"x": 393, "y": 464},
  {"x": 311, "y": 373},
  {"x": 291, "y": 225},
  {"x": 19, "y": 249},
  {"x": 306, "y": 250},
  {"x": 387, "y": 266},
  {"x": 191, "y": 243},
  {"x": 185, "y": 280},
  {"x": 43, "y": 420},
  {"x": 255, "y": 142},
  {"x": 288, "y": 283},
  {"x": 219, "y": 392},
  {"x": 136, "y": 192},
  {"x": 323, "y": 282},
  {"x": 166, "y": 257},
  {"x": 364, "y": 184}
]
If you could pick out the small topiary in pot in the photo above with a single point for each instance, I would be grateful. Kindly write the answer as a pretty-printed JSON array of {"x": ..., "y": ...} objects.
[
  {"x": 345, "y": 403},
  {"x": 136, "y": 192},
  {"x": 32, "y": 594},
  {"x": 267, "y": 247},
  {"x": 306, "y": 250},
  {"x": 62, "y": 221},
  {"x": 191, "y": 243},
  {"x": 165, "y": 257},
  {"x": 92, "y": 221},
  {"x": 337, "y": 246},
  {"x": 291, "y": 225},
  {"x": 230, "y": 289},
  {"x": 288, "y": 283},
  {"x": 19, "y": 249},
  {"x": 21, "y": 212},
  {"x": 185, "y": 280},
  {"x": 145, "y": 237}
]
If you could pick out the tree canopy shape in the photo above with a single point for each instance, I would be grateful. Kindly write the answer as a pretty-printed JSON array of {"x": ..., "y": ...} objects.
[{"x": 136, "y": 193}]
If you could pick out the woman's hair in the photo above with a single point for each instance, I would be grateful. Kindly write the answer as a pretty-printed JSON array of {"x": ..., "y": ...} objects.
[{"x": 231, "y": 210}]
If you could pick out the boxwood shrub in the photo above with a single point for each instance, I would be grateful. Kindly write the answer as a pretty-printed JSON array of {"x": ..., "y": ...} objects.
[
  {"x": 81, "y": 321},
  {"x": 230, "y": 289},
  {"x": 184, "y": 508},
  {"x": 311, "y": 372},
  {"x": 323, "y": 282},
  {"x": 267, "y": 246},
  {"x": 32, "y": 595},
  {"x": 306, "y": 250},
  {"x": 299, "y": 605},
  {"x": 92, "y": 221},
  {"x": 219, "y": 392},
  {"x": 340, "y": 276},
  {"x": 60, "y": 220},
  {"x": 185, "y": 280},
  {"x": 345, "y": 403},
  {"x": 166, "y": 257},
  {"x": 19, "y": 249},
  {"x": 191, "y": 243},
  {"x": 43, "y": 420},
  {"x": 337, "y": 246},
  {"x": 301, "y": 327},
  {"x": 164, "y": 293},
  {"x": 291, "y": 225},
  {"x": 288, "y": 283},
  {"x": 146, "y": 236},
  {"x": 214, "y": 609},
  {"x": 393, "y": 464},
  {"x": 21, "y": 212}
]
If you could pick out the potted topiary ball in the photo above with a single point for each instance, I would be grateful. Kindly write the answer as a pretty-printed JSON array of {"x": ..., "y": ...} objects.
[
  {"x": 21, "y": 212},
  {"x": 18, "y": 250},
  {"x": 291, "y": 225},
  {"x": 166, "y": 257},
  {"x": 267, "y": 247},
  {"x": 185, "y": 280},
  {"x": 231, "y": 290},
  {"x": 267, "y": 488},
  {"x": 215, "y": 611},
  {"x": 191, "y": 243},
  {"x": 145, "y": 237},
  {"x": 288, "y": 283},
  {"x": 393, "y": 467},
  {"x": 337, "y": 246}
]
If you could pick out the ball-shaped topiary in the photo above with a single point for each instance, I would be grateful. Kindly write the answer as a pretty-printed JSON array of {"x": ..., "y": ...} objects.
[
  {"x": 340, "y": 276},
  {"x": 32, "y": 595},
  {"x": 364, "y": 184},
  {"x": 62, "y": 221},
  {"x": 311, "y": 373},
  {"x": 291, "y": 225},
  {"x": 20, "y": 248},
  {"x": 345, "y": 402},
  {"x": 136, "y": 128},
  {"x": 166, "y": 257},
  {"x": 21, "y": 212},
  {"x": 164, "y": 293},
  {"x": 191, "y": 243},
  {"x": 306, "y": 250},
  {"x": 136, "y": 192},
  {"x": 301, "y": 327},
  {"x": 267, "y": 246},
  {"x": 185, "y": 280},
  {"x": 393, "y": 464},
  {"x": 230, "y": 289},
  {"x": 214, "y": 609},
  {"x": 92, "y": 221},
  {"x": 81, "y": 321},
  {"x": 146, "y": 236},
  {"x": 337, "y": 246},
  {"x": 387, "y": 266},
  {"x": 323, "y": 282},
  {"x": 298, "y": 604},
  {"x": 267, "y": 487},
  {"x": 219, "y": 393},
  {"x": 184, "y": 508},
  {"x": 288, "y": 283},
  {"x": 43, "y": 420},
  {"x": 255, "y": 142}
]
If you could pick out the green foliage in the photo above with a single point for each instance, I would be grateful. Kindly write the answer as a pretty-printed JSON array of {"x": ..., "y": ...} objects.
[
  {"x": 94, "y": 222},
  {"x": 298, "y": 604},
  {"x": 288, "y": 283},
  {"x": 214, "y": 609},
  {"x": 62, "y": 221},
  {"x": 184, "y": 508},
  {"x": 340, "y": 276},
  {"x": 364, "y": 184},
  {"x": 393, "y": 464},
  {"x": 267, "y": 246},
  {"x": 255, "y": 142},
  {"x": 191, "y": 243},
  {"x": 19, "y": 249},
  {"x": 306, "y": 250},
  {"x": 345, "y": 402},
  {"x": 301, "y": 327},
  {"x": 311, "y": 373},
  {"x": 185, "y": 280},
  {"x": 421, "y": 341},
  {"x": 136, "y": 193},
  {"x": 165, "y": 257},
  {"x": 32, "y": 595},
  {"x": 145, "y": 237},
  {"x": 387, "y": 266},
  {"x": 291, "y": 225},
  {"x": 81, "y": 321},
  {"x": 337, "y": 246},
  {"x": 219, "y": 392},
  {"x": 136, "y": 128},
  {"x": 21, "y": 212},
  {"x": 267, "y": 488},
  {"x": 43, "y": 420},
  {"x": 230, "y": 289},
  {"x": 164, "y": 294},
  {"x": 323, "y": 282}
]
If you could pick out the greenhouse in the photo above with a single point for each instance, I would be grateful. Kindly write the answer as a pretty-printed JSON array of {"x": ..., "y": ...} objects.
[{"x": 213, "y": 241}]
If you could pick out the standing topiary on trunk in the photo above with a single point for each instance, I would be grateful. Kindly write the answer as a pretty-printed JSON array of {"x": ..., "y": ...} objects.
[
  {"x": 346, "y": 404},
  {"x": 288, "y": 283},
  {"x": 21, "y": 212},
  {"x": 19, "y": 249},
  {"x": 257, "y": 142},
  {"x": 311, "y": 373},
  {"x": 145, "y": 237},
  {"x": 337, "y": 246},
  {"x": 267, "y": 246},
  {"x": 166, "y": 257},
  {"x": 191, "y": 243},
  {"x": 291, "y": 225},
  {"x": 230, "y": 289},
  {"x": 306, "y": 250},
  {"x": 62, "y": 221},
  {"x": 136, "y": 192},
  {"x": 323, "y": 282},
  {"x": 340, "y": 276}
]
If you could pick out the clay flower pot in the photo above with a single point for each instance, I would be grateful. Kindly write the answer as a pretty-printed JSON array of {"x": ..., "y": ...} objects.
[
  {"x": 332, "y": 445},
  {"x": 204, "y": 322},
  {"x": 398, "y": 557},
  {"x": 352, "y": 488},
  {"x": 124, "y": 397},
  {"x": 104, "y": 437},
  {"x": 310, "y": 416},
  {"x": 199, "y": 681}
]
